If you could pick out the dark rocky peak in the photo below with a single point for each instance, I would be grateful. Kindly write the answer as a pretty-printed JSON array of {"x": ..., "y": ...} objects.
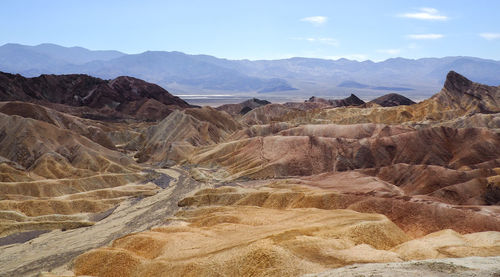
[
  {"x": 127, "y": 95},
  {"x": 245, "y": 110},
  {"x": 462, "y": 94},
  {"x": 254, "y": 103},
  {"x": 67, "y": 89},
  {"x": 315, "y": 99},
  {"x": 456, "y": 82},
  {"x": 133, "y": 89},
  {"x": 352, "y": 100},
  {"x": 392, "y": 99}
]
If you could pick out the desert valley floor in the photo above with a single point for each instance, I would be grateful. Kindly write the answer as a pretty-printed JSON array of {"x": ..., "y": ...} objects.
[{"x": 121, "y": 178}]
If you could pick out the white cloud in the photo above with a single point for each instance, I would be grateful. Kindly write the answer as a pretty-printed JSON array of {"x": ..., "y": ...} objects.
[
  {"x": 327, "y": 41},
  {"x": 490, "y": 36},
  {"x": 316, "y": 20},
  {"x": 429, "y": 10},
  {"x": 425, "y": 14},
  {"x": 389, "y": 51},
  {"x": 425, "y": 36}
]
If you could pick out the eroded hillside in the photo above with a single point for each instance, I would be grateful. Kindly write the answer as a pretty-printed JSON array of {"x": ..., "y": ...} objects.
[{"x": 251, "y": 189}]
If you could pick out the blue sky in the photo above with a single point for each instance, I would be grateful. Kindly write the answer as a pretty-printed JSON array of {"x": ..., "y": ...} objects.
[{"x": 257, "y": 29}]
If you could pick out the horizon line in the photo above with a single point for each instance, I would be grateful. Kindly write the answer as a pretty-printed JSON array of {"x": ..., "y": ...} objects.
[{"x": 248, "y": 59}]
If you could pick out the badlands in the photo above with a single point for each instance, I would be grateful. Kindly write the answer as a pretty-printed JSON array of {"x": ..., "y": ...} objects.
[{"x": 121, "y": 178}]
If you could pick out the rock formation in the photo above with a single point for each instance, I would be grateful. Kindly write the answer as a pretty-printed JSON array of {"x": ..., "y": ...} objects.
[
  {"x": 175, "y": 137},
  {"x": 244, "y": 240},
  {"x": 50, "y": 172},
  {"x": 459, "y": 97},
  {"x": 243, "y": 107},
  {"x": 117, "y": 98},
  {"x": 151, "y": 186},
  {"x": 352, "y": 100},
  {"x": 392, "y": 99}
]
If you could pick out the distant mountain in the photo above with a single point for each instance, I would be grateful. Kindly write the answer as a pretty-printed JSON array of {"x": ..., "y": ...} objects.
[
  {"x": 353, "y": 84},
  {"x": 154, "y": 66},
  {"x": 392, "y": 88},
  {"x": 176, "y": 67},
  {"x": 74, "y": 55},
  {"x": 203, "y": 74},
  {"x": 48, "y": 56}
]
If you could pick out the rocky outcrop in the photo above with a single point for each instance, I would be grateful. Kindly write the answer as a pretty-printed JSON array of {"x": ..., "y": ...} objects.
[
  {"x": 243, "y": 107},
  {"x": 50, "y": 173},
  {"x": 307, "y": 105},
  {"x": 174, "y": 138},
  {"x": 93, "y": 130},
  {"x": 391, "y": 100},
  {"x": 352, "y": 100},
  {"x": 117, "y": 98},
  {"x": 461, "y": 94},
  {"x": 459, "y": 97},
  {"x": 270, "y": 113},
  {"x": 277, "y": 156}
]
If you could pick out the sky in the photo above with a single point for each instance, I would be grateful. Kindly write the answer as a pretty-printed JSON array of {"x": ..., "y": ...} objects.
[{"x": 261, "y": 29}]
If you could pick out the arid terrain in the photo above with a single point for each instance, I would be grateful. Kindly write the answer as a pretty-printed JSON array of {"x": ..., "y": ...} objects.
[{"x": 121, "y": 178}]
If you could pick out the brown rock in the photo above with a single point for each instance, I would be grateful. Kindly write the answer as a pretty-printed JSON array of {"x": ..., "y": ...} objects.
[{"x": 100, "y": 96}]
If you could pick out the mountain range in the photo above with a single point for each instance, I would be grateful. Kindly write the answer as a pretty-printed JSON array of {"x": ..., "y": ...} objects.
[{"x": 182, "y": 73}]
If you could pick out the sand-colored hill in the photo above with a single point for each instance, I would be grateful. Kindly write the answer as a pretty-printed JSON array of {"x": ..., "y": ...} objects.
[
  {"x": 462, "y": 187},
  {"x": 357, "y": 192},
  {"x": 271, "y": 113},
  {"x": 174, "y": 138},
  {"x": 49, "y": 170},
  {"x": 478, "y": 120},
  {"x": 248, "y": 241},
  {"x": 26, "y": 140},
  {"x": 285, "y": 155},
  {"x": 245, "y": 240},
  {"x": 27, "y": 253},
  {"x": 91, "y": 129}
]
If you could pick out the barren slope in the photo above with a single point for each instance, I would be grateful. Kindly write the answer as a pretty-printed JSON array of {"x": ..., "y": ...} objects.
[
  {"x": 123, "y": 97},
  {"x": 285, "y": 189},
  {"x": 245, "y": 240},
  {"x": 50, "y": 173},
  {"x": 458, "y": 97}
]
